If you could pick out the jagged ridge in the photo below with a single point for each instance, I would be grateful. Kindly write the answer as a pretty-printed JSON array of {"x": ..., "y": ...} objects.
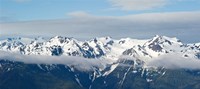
[{"x": 100, "y": 47}]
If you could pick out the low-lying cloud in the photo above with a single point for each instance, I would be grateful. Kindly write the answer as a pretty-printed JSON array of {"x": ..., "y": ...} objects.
[
  {"x": 169, "y": 61},
  {"x": 79, "y": 63},
  {"x": 175, "y": 61}
]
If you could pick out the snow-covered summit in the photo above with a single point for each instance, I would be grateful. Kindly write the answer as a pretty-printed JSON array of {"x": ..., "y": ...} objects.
[{"x": 103, "y": 47}]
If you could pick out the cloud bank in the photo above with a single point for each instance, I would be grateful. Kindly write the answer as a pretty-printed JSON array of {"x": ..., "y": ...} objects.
[
  {"x": 184, "y": 25},
  {"x": 79, "y": 63},
  {"x": 169, "y": 61},
  {"x": 175, "y": 61}
]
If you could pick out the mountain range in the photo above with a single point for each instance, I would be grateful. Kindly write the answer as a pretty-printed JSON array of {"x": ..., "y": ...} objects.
[{"x": 160, "y": 62}]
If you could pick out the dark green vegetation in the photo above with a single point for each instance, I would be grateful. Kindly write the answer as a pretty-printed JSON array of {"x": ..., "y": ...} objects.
[{"x": 17, "y": 75}]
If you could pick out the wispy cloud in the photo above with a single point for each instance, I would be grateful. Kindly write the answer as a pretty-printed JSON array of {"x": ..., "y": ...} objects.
[
  {"x": 184, "y": 25},
  {"x": 131, "y": 5},
  {"x": 137, "y": 4},
  {"x": 4, "y": 19},
  {"x": 78, "y": 14}
]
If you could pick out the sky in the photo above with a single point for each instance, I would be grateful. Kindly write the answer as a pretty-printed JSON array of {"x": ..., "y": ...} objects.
[{"x": 85, "y": 19}]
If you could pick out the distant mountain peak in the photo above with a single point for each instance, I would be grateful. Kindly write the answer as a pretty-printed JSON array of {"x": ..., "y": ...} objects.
[
  {"x": 164, "y": 39},
  {"x": 98, "y": 47}
]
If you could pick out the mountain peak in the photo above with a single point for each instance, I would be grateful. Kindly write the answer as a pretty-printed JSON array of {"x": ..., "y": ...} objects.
[
  {"x": 14, "y": 39},
  {"x": 164, "y": 40},
  {"x": 60, "y": 40}
]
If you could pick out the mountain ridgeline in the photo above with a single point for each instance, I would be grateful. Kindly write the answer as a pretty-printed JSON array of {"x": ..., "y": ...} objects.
[{"x": 156, "y": 63}]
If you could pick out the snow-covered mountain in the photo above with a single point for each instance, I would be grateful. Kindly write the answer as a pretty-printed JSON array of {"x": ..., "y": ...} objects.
[
  {"x": 104, "y": 47},
  {"x": 117, "y": 62}
]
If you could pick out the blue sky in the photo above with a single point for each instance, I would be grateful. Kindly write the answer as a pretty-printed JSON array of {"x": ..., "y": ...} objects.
[
  {"x": 48, "y": 9},
  {"x": 25, "y": 10},
  {"x": 87, "y": 19}
]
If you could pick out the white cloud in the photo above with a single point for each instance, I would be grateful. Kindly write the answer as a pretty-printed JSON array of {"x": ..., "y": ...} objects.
[
  {"x": 175, "y": 61},
  {"x": 78, "y": 14},
  {"x": 79, "y": 63},
  {"x": 184, "y": 25},
  {"x": 168, "y": 61},
  {"x": 137, "y": 4}
]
